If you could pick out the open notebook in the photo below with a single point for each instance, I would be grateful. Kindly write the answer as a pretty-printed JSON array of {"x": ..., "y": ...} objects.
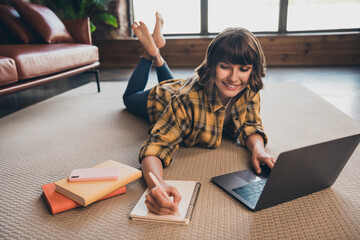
[{"x": 189, "y": 191}]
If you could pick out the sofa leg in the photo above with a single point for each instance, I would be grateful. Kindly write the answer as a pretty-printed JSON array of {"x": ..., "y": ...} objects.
[
  {"x": 96, "y": 71},
  {"x": 97, "y": 79}
]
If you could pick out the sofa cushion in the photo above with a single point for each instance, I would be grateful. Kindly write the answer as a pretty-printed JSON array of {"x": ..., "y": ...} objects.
[
  {"x": 11, "y": 19},
  {"x": 8, "y": 71},
  {"x": 34, "y": 60},
  {"x": 44, "y": 22}
]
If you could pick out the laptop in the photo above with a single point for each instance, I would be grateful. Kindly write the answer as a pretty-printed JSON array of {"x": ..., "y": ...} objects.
[{"x": 296, "y": 173}]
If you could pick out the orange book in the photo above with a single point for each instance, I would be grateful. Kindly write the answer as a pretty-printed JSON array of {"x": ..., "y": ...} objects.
[
  {"x": 59, "y": 203},
  {"x": 86, "y": 193}
]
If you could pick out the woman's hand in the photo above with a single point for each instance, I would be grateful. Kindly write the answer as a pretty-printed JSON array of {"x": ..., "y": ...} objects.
[
  {"x": 159, "y": 204},
  {"x": 156, "y": 202},
  {"x": 261, "y": 156},
  {"x": 255, "y": 144}
]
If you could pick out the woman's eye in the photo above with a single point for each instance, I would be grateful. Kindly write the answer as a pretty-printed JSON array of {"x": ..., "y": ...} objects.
[
  {"x": 244, "y": 69},
  {"x": 224, "y": 66}
]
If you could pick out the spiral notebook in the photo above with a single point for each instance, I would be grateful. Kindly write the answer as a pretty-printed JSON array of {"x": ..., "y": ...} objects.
[{"x": 189, "y": 191}]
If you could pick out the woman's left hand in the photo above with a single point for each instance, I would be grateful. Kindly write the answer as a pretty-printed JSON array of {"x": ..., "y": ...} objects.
[{"x": 261, "y": 156}]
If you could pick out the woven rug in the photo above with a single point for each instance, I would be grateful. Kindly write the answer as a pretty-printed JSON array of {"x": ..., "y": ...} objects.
[{"x": 81, "y": 128}]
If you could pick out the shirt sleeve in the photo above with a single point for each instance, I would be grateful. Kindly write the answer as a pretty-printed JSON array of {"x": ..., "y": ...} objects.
[
  {"x": 167, "y": 133},
  {"x": 252, "y": 123}
]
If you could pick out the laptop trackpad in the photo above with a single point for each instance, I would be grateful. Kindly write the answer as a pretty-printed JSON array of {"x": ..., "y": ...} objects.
[
  {"x": 250, "y": 176},
  {"x": 231, "y": 181}
]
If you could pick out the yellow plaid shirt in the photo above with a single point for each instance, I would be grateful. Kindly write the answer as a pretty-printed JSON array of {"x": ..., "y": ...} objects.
[{"x": 182, "y": 111}]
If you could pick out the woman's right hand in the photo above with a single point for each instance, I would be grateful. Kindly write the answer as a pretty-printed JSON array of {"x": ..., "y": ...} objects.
[{"x": 159, "y": 204}]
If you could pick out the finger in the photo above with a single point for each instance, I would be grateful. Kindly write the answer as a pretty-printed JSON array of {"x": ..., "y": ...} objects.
[
  {"x": 173, "y": 192},
  {"x": 272, "y": 161},
  {"x": 160, "y": 199},
  {"x": 153, "y": 206},
  {"x": 256, "y": 165},
  {"x": 268, "y": 162},
  {"x": 153, "y": 209},
  {"x": 153, "y": 202}
]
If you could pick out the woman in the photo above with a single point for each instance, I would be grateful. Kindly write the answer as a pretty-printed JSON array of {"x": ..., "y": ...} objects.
[{"x": 222, "y": 95}]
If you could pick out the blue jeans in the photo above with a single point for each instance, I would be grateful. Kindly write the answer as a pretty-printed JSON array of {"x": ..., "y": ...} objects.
[{"x": 135, "y": 98}]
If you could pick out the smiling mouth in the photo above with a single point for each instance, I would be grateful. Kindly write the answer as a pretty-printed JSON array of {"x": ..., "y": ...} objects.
[{"x": 231, "y": 86}]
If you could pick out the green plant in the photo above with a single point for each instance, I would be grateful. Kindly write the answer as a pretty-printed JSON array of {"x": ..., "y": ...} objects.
[{"x": 75, "y": 9}]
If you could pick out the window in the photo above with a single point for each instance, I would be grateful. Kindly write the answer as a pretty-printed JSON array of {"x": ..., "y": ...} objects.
[
  {"x": 194, "y": 17},
  {"x": 254, "y": 15},
  {"x": 323, "y": 14},
  {"x": 180, "y": 16}
]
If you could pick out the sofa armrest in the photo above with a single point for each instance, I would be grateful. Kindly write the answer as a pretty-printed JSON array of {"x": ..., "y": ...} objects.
[
  {"x": 79, "y": 30},
  {"x": 8, "y": 71}
]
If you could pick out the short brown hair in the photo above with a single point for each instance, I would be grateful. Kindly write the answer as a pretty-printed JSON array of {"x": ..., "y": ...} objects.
[{"x": 236, "y": 46}]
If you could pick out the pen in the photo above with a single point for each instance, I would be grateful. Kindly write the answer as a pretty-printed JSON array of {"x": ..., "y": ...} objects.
[{"x": 157, "y": 184}]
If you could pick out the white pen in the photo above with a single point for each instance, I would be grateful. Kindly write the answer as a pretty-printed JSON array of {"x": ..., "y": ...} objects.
[{"x": 157, "y": 184}]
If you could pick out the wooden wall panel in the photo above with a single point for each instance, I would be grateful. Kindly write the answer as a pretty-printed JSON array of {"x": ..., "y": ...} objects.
[{"x": 280, "y": 50}]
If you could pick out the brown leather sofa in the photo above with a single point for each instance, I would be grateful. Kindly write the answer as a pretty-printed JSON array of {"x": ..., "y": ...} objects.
[{"x": 29, "y": 57}]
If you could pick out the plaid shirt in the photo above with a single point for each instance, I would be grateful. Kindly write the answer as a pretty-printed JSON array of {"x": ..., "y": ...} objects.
[{"x": 184, "y": 112}]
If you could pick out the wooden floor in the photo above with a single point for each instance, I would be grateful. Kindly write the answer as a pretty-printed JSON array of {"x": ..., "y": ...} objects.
[{"x": 339, "y": 86}]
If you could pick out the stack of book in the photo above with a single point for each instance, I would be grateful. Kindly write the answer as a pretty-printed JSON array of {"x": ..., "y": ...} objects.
[{"x": 65, "y": 195}]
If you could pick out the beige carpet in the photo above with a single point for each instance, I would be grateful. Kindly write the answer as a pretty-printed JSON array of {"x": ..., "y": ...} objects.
[{"x": 81, "y": 128}]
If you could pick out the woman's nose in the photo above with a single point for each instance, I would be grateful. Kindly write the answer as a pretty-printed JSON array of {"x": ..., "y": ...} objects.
[{"x": 233, "y": 75}]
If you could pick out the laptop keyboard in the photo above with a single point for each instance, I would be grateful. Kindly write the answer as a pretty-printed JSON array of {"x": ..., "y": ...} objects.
[{"x": 251, "y": 192}]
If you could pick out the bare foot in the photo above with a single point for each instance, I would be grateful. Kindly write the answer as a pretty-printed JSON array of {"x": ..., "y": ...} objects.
[
  {"x": 157, "y": 33},
  {"x": 142, "y": 32}
]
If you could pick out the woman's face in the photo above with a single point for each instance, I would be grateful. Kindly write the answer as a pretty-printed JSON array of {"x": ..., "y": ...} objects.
[{"x": 231, "y": 79}]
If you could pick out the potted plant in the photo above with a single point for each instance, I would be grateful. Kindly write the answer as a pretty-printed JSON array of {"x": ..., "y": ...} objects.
[{"x": 96, "y": 10}]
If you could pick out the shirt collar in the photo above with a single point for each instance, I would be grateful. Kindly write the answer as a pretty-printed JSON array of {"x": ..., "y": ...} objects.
[
  {"x": 213, "y": 98},
  {"x": 248, "y": 94}
]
